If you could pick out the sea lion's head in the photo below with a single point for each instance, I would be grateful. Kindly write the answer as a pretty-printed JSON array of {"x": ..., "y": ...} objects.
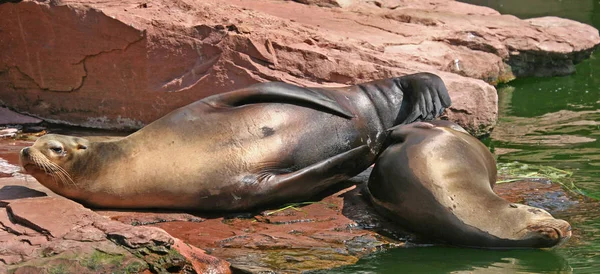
[
  {"x": 540, "y": 229},
  {"x": 51, "y": 158}
]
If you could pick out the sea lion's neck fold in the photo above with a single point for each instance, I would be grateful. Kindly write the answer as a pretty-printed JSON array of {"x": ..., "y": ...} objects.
[{"x": 387, "y": 98}]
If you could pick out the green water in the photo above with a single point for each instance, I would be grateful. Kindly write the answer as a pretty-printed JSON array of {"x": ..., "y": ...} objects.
[{"x": 550, "y": 121}]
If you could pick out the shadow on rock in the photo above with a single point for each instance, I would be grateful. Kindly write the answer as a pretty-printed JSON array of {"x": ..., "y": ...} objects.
[{"x": 14, "y": 192}]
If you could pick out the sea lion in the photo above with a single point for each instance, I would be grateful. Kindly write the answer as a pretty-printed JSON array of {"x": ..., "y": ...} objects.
[
  {"x": 436, "y": 180},
  {"x": 270, "y": 143}
]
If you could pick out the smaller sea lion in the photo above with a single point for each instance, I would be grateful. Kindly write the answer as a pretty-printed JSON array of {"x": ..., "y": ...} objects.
[{"x": 436, "y": 180}]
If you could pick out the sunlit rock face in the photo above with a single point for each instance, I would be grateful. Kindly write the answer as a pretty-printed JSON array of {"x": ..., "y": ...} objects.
[{"x": 122, "y": 65}]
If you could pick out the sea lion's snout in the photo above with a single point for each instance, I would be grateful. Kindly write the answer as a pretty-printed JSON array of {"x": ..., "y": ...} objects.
[
  {"x": 27, "y": 161},
  {"x": 25, "y": 156},
  {"x": 25, "y": 152},
  {"x": 552, "y": 231}
]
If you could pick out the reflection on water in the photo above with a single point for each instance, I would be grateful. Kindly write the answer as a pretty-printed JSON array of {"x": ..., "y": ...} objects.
[
  {"x": 548, "y": 121},
  {"x": 455, "y": 260},
  {"x": 583, "y": 251}
]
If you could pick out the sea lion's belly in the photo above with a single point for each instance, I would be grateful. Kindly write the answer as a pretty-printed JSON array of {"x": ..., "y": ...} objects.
[{"x": 211, "y": 156}]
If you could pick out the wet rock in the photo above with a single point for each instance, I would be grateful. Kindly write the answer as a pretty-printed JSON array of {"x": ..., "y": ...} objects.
[
  {"x": 123, "y": 65},
  {"x": 538, "y": 193},
  {"x": 50, "y": 222},
  {"x": 34, "y": 129},
  {"x": 8, "y": 132},
  {"x": 148, "y": 217},
  {"x": 295, "y": 238},
  {"x": 7, "y": 169}
]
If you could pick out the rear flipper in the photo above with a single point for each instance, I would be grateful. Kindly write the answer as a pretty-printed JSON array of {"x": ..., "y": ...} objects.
[
  {"x": 278, "y": 92},
  {"x": 304, "y": 183}
]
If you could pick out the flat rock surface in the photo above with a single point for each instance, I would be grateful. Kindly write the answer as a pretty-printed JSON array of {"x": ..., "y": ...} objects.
[
  {"x": 332, "y": 230},
  {"x": 124, "y": 64}
]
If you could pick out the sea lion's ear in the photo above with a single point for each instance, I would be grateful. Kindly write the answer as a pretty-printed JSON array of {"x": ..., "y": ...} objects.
[{"x": 81, "y": 143}]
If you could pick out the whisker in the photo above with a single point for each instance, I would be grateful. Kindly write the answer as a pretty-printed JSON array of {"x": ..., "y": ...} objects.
[
  {"x": 58, "y": 173},
  {"x": 65, "y": 174},
  {"x": 44, "y": 166}
]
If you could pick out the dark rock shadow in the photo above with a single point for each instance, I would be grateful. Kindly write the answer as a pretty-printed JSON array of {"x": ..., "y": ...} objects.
[
  {"x": 14, "y": 192},
  {"x": 358, "y": 207}
]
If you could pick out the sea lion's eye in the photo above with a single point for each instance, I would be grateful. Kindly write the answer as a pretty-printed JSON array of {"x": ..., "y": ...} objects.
[{"x": 58, "y": 150}]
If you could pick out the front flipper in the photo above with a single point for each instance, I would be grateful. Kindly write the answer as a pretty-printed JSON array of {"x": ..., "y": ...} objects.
[
  {"x": 302, "y": 184},
  {"x": 278, "y": 92},
  {"x": 425, "y": 97}
]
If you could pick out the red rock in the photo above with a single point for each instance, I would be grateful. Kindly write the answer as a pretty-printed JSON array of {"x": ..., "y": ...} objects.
[
  {"x": 123, "y": 65},
  {"x": 15, "y": 228},
  {"x": 202, "y": 263},
  {"x": 15, "y": 251},
  {"x": 85, "y": 234},
  {"x": 147, "y": 217},
  {"x": 10, "y": 154},
  {"x": 34, "y": 241},
  {"x": 52, "y": 215},
  {"x": 134, "y": 236},
  {"x": 9, "y": 117},
  {"x": 476, "y": 110},
  {"x": 10, "y": 259},
  {"x": 318, "y": 235},
  {"x": 81, "y": 241}
]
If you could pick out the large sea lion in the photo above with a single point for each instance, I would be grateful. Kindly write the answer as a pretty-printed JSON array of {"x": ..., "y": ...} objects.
[
  {"x": 266, "y": 144},
  {"x": 436, "y": 180}
]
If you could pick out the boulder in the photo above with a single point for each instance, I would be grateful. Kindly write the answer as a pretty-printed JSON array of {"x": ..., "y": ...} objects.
[{"x": 121, "y": 65}]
